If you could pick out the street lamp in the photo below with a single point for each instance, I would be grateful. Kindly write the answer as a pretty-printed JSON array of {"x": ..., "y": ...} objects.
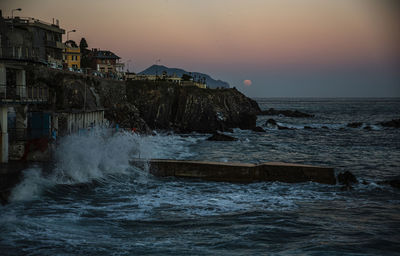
[
  {"x": 12, "y": 12},
  {"x": 69, "y": 32}
]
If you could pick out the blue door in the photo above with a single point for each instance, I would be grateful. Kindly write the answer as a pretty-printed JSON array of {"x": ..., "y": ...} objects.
[{"x": 38, "y": 125}]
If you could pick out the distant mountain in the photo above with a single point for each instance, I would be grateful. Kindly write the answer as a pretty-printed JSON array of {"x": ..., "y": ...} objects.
[{"x": 211, "y": 83}]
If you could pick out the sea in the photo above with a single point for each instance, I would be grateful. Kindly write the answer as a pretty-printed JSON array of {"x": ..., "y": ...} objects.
[{"x": 91, "y": 201}]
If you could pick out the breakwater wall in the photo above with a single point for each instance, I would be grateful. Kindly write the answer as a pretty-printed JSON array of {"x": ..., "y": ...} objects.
[{"x": 239, "y": 172}]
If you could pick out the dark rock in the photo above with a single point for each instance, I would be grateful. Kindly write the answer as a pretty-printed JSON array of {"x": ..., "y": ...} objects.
[
  {"x": 325, "y": 127},
  {"x": 354, "y": 125},
  {"x": 258, "y": 129},
  {"x": 346, "y": 188},
  {"x": 71, "y": 91},
  {"x": 364, "y": 182},
  {"x": 395, "y": 183},
  {"x": 347, "y": 178},
  {"x": 270, "y": 122},
  {"x": 185, "y": 109},
  {"x": 309, "y": 128},
  {"x": 392, "y": 183},
  {"x": 368, "y": 128},
  {"x": 221, "y": 137},
  {"x": 284, "y": 128},
  {"x": 395, "y": 123},
  {"x": 287, "y": 113},
  {"x": 146, "y": 105},
  {"x": 127, "y": 116}
]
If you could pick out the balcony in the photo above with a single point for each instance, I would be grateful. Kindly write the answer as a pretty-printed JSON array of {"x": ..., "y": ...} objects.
[{"x": 23, "y": 94}]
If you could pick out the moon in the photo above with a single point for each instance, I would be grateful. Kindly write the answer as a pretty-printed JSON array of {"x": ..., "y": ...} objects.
[{"x": 247, "y": 82}]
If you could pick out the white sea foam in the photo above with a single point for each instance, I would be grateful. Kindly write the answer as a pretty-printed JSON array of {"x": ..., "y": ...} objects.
[
  {"x": 81, "y": 158},
  {"x": 31, "y": 186}
]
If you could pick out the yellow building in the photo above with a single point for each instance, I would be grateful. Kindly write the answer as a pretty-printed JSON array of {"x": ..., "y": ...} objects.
[{"x": 72, "y": 55}]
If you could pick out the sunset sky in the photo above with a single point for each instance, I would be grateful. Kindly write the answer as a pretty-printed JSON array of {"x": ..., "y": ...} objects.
[{"x": 312, "y": 48}]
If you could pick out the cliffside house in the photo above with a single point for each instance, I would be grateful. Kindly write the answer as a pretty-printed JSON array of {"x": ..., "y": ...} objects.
[
  {"x": 71, "y": 55},
  {"x": 138, "y": 77},
  {"x": 106, "y": 62},
  {"x": 165, "y": 77},
  {"x": 192, "y": 83}
]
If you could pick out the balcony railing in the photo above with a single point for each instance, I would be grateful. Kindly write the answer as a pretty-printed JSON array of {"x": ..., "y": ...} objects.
[
  {"x": 19, "y": 54},
  {"x": 22, "y": 94}
]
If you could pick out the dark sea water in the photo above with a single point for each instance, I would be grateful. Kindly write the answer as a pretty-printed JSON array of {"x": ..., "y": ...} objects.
[{"x": 92, "y": 202}]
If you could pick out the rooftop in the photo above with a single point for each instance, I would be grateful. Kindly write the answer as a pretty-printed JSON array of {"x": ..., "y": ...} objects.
[
  {"x": 104, "y": 54},
  {"x": 28, "y": 21}
]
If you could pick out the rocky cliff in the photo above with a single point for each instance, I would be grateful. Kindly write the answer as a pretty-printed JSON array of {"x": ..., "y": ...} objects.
[
  {"x": 143, "y": 105},
  {"x": 71, "y": 91},
  {"x": 185, "y": 109}
]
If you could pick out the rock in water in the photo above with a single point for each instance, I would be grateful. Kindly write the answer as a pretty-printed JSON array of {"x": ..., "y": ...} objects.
[
  {"x": 347, "y": 179},
  {"x": 392, "y": 183},
  {"x": 287, "y": 113},
  {"x": 368, "y": 128},
  {"x": 258, "y": 129},
  {"x": 270, "y": 122},
  {"x": 395, "y": 123},
  {"x": 284, "y": 128},
  {"x": 354, "y": 125},
  {"x": 221, "y": 137}
]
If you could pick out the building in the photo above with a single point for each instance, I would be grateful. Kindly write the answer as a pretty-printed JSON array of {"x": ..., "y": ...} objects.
[
  {"x": 23, "y": 42},
  {"x": 105, "y": 62},
  {"x": 68, "y": 122},
  {"x": 32, "y": 40},
  {"x": 72, "y": 55},
  {"x": 165, "y": 77},
  {"x": 191, "y": 83},
  {"x": 174, "y": 79},
  {"x": 137, "y": 77}
]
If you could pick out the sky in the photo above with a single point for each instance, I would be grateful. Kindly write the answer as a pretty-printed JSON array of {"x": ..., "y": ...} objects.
[{"x": 264, "y": 48}]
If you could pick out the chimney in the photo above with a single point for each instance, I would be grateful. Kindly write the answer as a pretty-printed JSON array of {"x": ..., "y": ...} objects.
[
  {"x": 57, "y": 23},
  {"x": 53, "y": 21}
]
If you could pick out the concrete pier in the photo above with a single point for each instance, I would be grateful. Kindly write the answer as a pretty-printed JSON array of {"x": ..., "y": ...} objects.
[{"x": 239, "y": 172}]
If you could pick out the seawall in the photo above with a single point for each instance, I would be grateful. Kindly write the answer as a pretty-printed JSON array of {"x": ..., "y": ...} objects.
[{"x": 239, "y": 172}]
